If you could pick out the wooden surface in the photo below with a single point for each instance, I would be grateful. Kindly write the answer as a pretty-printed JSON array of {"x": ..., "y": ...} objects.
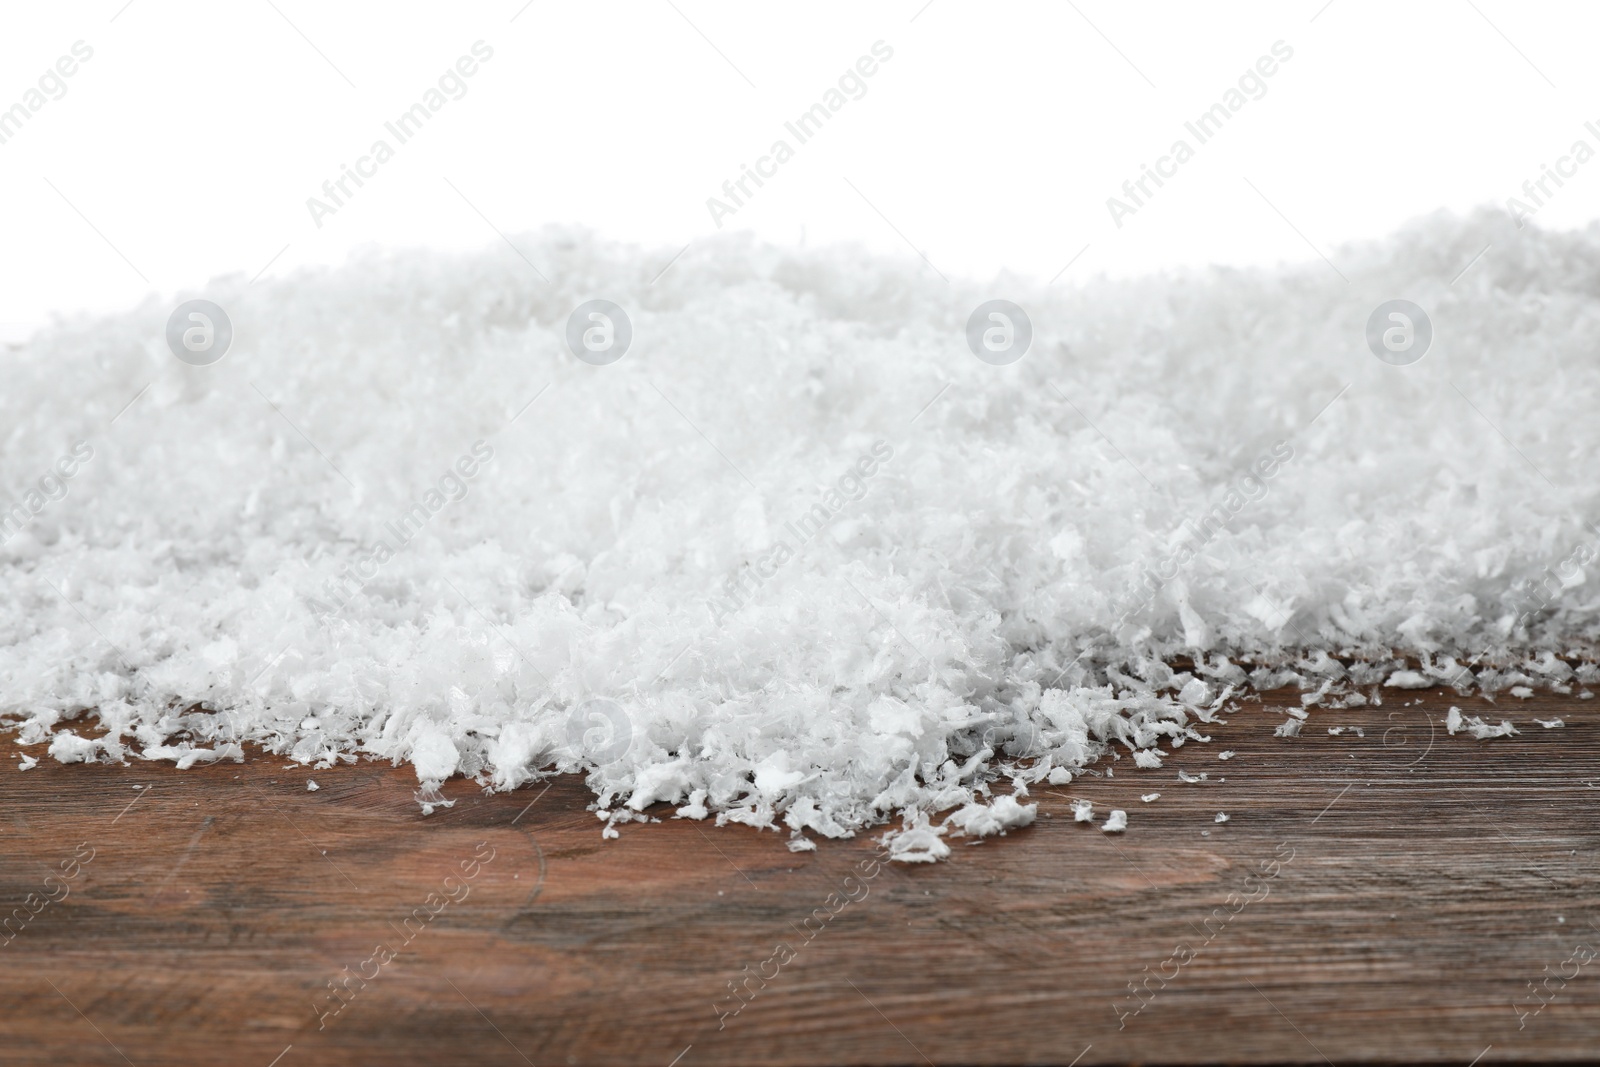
[{"x": 1432, "y": 878}]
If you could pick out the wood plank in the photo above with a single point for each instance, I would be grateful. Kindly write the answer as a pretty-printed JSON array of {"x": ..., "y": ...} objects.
[{"x": 1432, "y": 877}]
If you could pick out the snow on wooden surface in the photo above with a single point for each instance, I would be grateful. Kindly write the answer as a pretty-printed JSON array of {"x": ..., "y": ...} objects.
[{"x": 1401, "y": 894}]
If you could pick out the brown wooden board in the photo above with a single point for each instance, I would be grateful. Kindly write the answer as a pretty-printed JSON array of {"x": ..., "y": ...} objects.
[{"x": 1390, "y": 897}]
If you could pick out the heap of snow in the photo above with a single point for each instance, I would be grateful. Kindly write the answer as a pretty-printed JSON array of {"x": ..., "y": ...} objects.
[{"x": 1000, "y": 562}]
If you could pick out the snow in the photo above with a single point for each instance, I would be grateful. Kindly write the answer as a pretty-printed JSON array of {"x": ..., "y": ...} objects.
[
  {"x": 1455, "y": 721},
  {"x": 983, "y": 820},
  {"x": 1013, "y": 557},
  {"x": 1116, "y": 822},
  {"x": 434, "y": 755},
  {"x": 1409, "y": 680},
  {"x": 917, "y": 842}
]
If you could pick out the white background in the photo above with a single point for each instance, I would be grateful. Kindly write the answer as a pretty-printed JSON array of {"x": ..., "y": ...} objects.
[{"x": 990, "y": 141}]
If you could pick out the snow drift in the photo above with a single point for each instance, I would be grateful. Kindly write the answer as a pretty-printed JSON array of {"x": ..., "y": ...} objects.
[{"x": 798, "y": 558}]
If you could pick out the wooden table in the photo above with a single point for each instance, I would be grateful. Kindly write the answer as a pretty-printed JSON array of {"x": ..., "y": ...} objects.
[{"x": 1386, "y": 897}]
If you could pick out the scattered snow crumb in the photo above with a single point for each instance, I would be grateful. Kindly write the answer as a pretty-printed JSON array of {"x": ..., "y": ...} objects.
[
  {"x": 1288, "y": 728},
  {"x": 1308, "y": 699},
  {"x": 68, "y": 747},
  {"x": 429, "y": 798},
  {"x": 1147, "y": 757},
  {"x": 695, "y": 809},
  {"x": 1205, "y": 833},
  {"x": 1521, "y": 692},
  {"x": 984, "y": 820},
  {"x": 1185, "y": 777},
  {"x": 1227, "y": 755},
  {"x": 802, "y": 844},
  {"x": 1409, "y": 680},
  {"x": 918, "y": 842},
  {"x": 1082, "y": 811},
  {"x": 1551, "y": 724},
  {"x": 311, "y": 785},
  {"x": 1454, "y": 721},
  {"x": 28, "y": 763},
  {"x": 434, "y": 755},
  {"x": 1585, "y": 694},
  {"x": 1116, "y": 822},
  {"x": 1059, "y": 776},
  {"x": 1222, "y": 816},
  {"x": 1148, "y": 797}
]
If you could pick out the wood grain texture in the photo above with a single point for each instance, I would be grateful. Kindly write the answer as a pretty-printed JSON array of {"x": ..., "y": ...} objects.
[{"x": 1432, "y": 878}]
